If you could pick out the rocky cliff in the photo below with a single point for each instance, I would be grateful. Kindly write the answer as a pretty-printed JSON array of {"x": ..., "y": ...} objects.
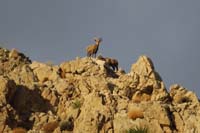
[{"x": 86, "y": 96}]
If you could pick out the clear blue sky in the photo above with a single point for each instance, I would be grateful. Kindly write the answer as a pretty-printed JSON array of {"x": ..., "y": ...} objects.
[{"x": 58, "y": 30}]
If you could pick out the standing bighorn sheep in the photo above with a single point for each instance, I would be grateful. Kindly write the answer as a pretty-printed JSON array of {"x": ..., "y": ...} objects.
[
  {"x": 92, "y": 49},
  {"x": 113, "y": 63}
]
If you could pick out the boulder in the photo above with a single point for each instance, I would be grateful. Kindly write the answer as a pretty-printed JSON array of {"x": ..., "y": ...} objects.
[
  {"x": 149, "y": 81},
  {"x": 186, "y": 109},
  {"x": 181, "y": 95},
  {"x": 45, "y": 72},
  {"x": 24, "y": 76}
]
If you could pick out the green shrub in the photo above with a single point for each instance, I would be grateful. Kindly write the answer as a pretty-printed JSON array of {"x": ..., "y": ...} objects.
[
  {"x": 76, "y": 104},
  {"x": 138, "y": 130},
  {"x": 67, "y": 124}
]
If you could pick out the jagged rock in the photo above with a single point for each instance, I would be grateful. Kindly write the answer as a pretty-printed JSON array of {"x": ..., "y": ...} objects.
[
  {"x": 45, "y": 72},
  {"x": 23, "y": 76},
  {"x": 9, "y": 60},
  {"x": 62, "y": 86},
  {"x": 132, "y": 117},
  {"x": 86, "y": 67},
  {"x": 7, "y": 90},
  {"x": 80, "y": 66},
  {"x": 149, "y": 81},
  {"x": 8, "y": 118},
  {"x": 180, "y": 95},
  {"x": 51, "y": 96},
  {"x": 13, "y": 54},
  {"x": 41, "y": 119},
  {"x": 85, "y": 95},
  {"x": 94, "y": 115},
  {"x": 3, "y": 117},
  {"x": 187, "y": 109}
]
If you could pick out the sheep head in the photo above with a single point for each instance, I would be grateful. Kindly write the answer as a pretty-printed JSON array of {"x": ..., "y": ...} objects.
[{"x": 97, "y": 40}]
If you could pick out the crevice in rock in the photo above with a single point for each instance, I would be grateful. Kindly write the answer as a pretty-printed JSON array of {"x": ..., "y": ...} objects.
[
  {"x": 171, "y": 118},
  {"x": 25, "y": 102}
]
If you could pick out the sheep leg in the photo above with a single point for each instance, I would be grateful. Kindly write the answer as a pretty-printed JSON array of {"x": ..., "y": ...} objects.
[
  {"x": 113, "y": 67},
  {"x": 116, "y": 68}
]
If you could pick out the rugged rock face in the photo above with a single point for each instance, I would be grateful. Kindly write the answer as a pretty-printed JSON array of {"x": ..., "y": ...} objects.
[{"x": 85, "y": 95}]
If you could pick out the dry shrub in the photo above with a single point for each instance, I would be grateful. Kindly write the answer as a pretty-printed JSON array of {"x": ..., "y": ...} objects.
[
  {"x": 137, "y": 98},
  {"x": 135, "y": 113},
  {"x": 19, "y": 130},
  {"x": 50, "y": 127}
]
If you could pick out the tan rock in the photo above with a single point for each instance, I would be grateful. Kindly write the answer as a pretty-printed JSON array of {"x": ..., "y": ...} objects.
[
  {"x": 85, "y": 66},
  {"x": 149, "y": 80},
  {"x": 180, "y": 95},
  {"x": 45, "y": 72},
  {"x": 187, "y": 109},
  {"x": 51, "y": 96},
  {"x": 13, "y": 53},
  {"x": 144, "y": 67},
  {"x": 3, "y": 118},
  {"x": 9, "y": 60},
  {"x": 7, "y": 90},
  {"x": 61, "y": 85},
  {"x": 86, "y": 96},
  {"x": 93, "y": 115},
  {"x": 24, "y": 76},
  {"x": 178, "y": 121},
  {"x": 138, "y": 97}
]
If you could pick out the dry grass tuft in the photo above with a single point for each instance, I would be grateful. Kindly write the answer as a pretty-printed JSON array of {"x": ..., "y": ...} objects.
[
  {"x": 135, "y": 113},
  {"x": 50, "y": 127},
  {"x": 19, "y": 130}
]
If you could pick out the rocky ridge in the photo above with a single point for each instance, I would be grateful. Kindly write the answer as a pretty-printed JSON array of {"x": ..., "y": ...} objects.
[{"x": 86, "y": 96}]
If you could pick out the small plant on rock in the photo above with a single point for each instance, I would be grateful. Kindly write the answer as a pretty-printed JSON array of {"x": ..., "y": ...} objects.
[
  {"x": 138, "y": 130},
  {"x": 67, "y": 125},
  {"x": 76, "y": 104}
]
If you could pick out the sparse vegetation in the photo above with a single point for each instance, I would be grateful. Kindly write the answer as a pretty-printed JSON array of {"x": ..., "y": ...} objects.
[
  {"x": 67, "y": 125},
  {"x": 76, "y": 104},
  {"x": 135, "y": 113},
  {"x": 137, "y": 130}
]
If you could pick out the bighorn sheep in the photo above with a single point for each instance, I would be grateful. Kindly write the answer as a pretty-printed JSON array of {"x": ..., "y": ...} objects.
[
  {"x": 92, "y": 49},
  {"x": 113, "y": 63}
]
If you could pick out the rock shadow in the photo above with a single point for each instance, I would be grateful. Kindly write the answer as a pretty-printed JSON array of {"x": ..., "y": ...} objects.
[
  {"x": 25, "y": 102},
  {"x": 111, "y": 73}
]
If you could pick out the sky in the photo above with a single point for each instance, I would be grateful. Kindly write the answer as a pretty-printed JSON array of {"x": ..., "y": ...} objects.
[{"x": 167, "y": 31}]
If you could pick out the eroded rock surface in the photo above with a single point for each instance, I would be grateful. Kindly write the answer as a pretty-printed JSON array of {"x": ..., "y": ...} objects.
[{"x": 85, "y": 95}]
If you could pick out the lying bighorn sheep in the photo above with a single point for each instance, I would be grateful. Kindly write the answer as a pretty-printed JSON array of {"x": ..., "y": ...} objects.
[
  {"x": 110, "y": 62},
  {"x": 92, "y": 49}
]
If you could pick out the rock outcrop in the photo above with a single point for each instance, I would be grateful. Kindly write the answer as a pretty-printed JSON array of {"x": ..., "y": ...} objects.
[{"x": 84, "y": 95}]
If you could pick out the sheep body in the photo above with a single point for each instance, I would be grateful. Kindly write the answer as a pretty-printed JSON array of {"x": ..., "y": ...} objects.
[
  {"x": 113, "y": 63},
  {"x": 93, "y": 48}
]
